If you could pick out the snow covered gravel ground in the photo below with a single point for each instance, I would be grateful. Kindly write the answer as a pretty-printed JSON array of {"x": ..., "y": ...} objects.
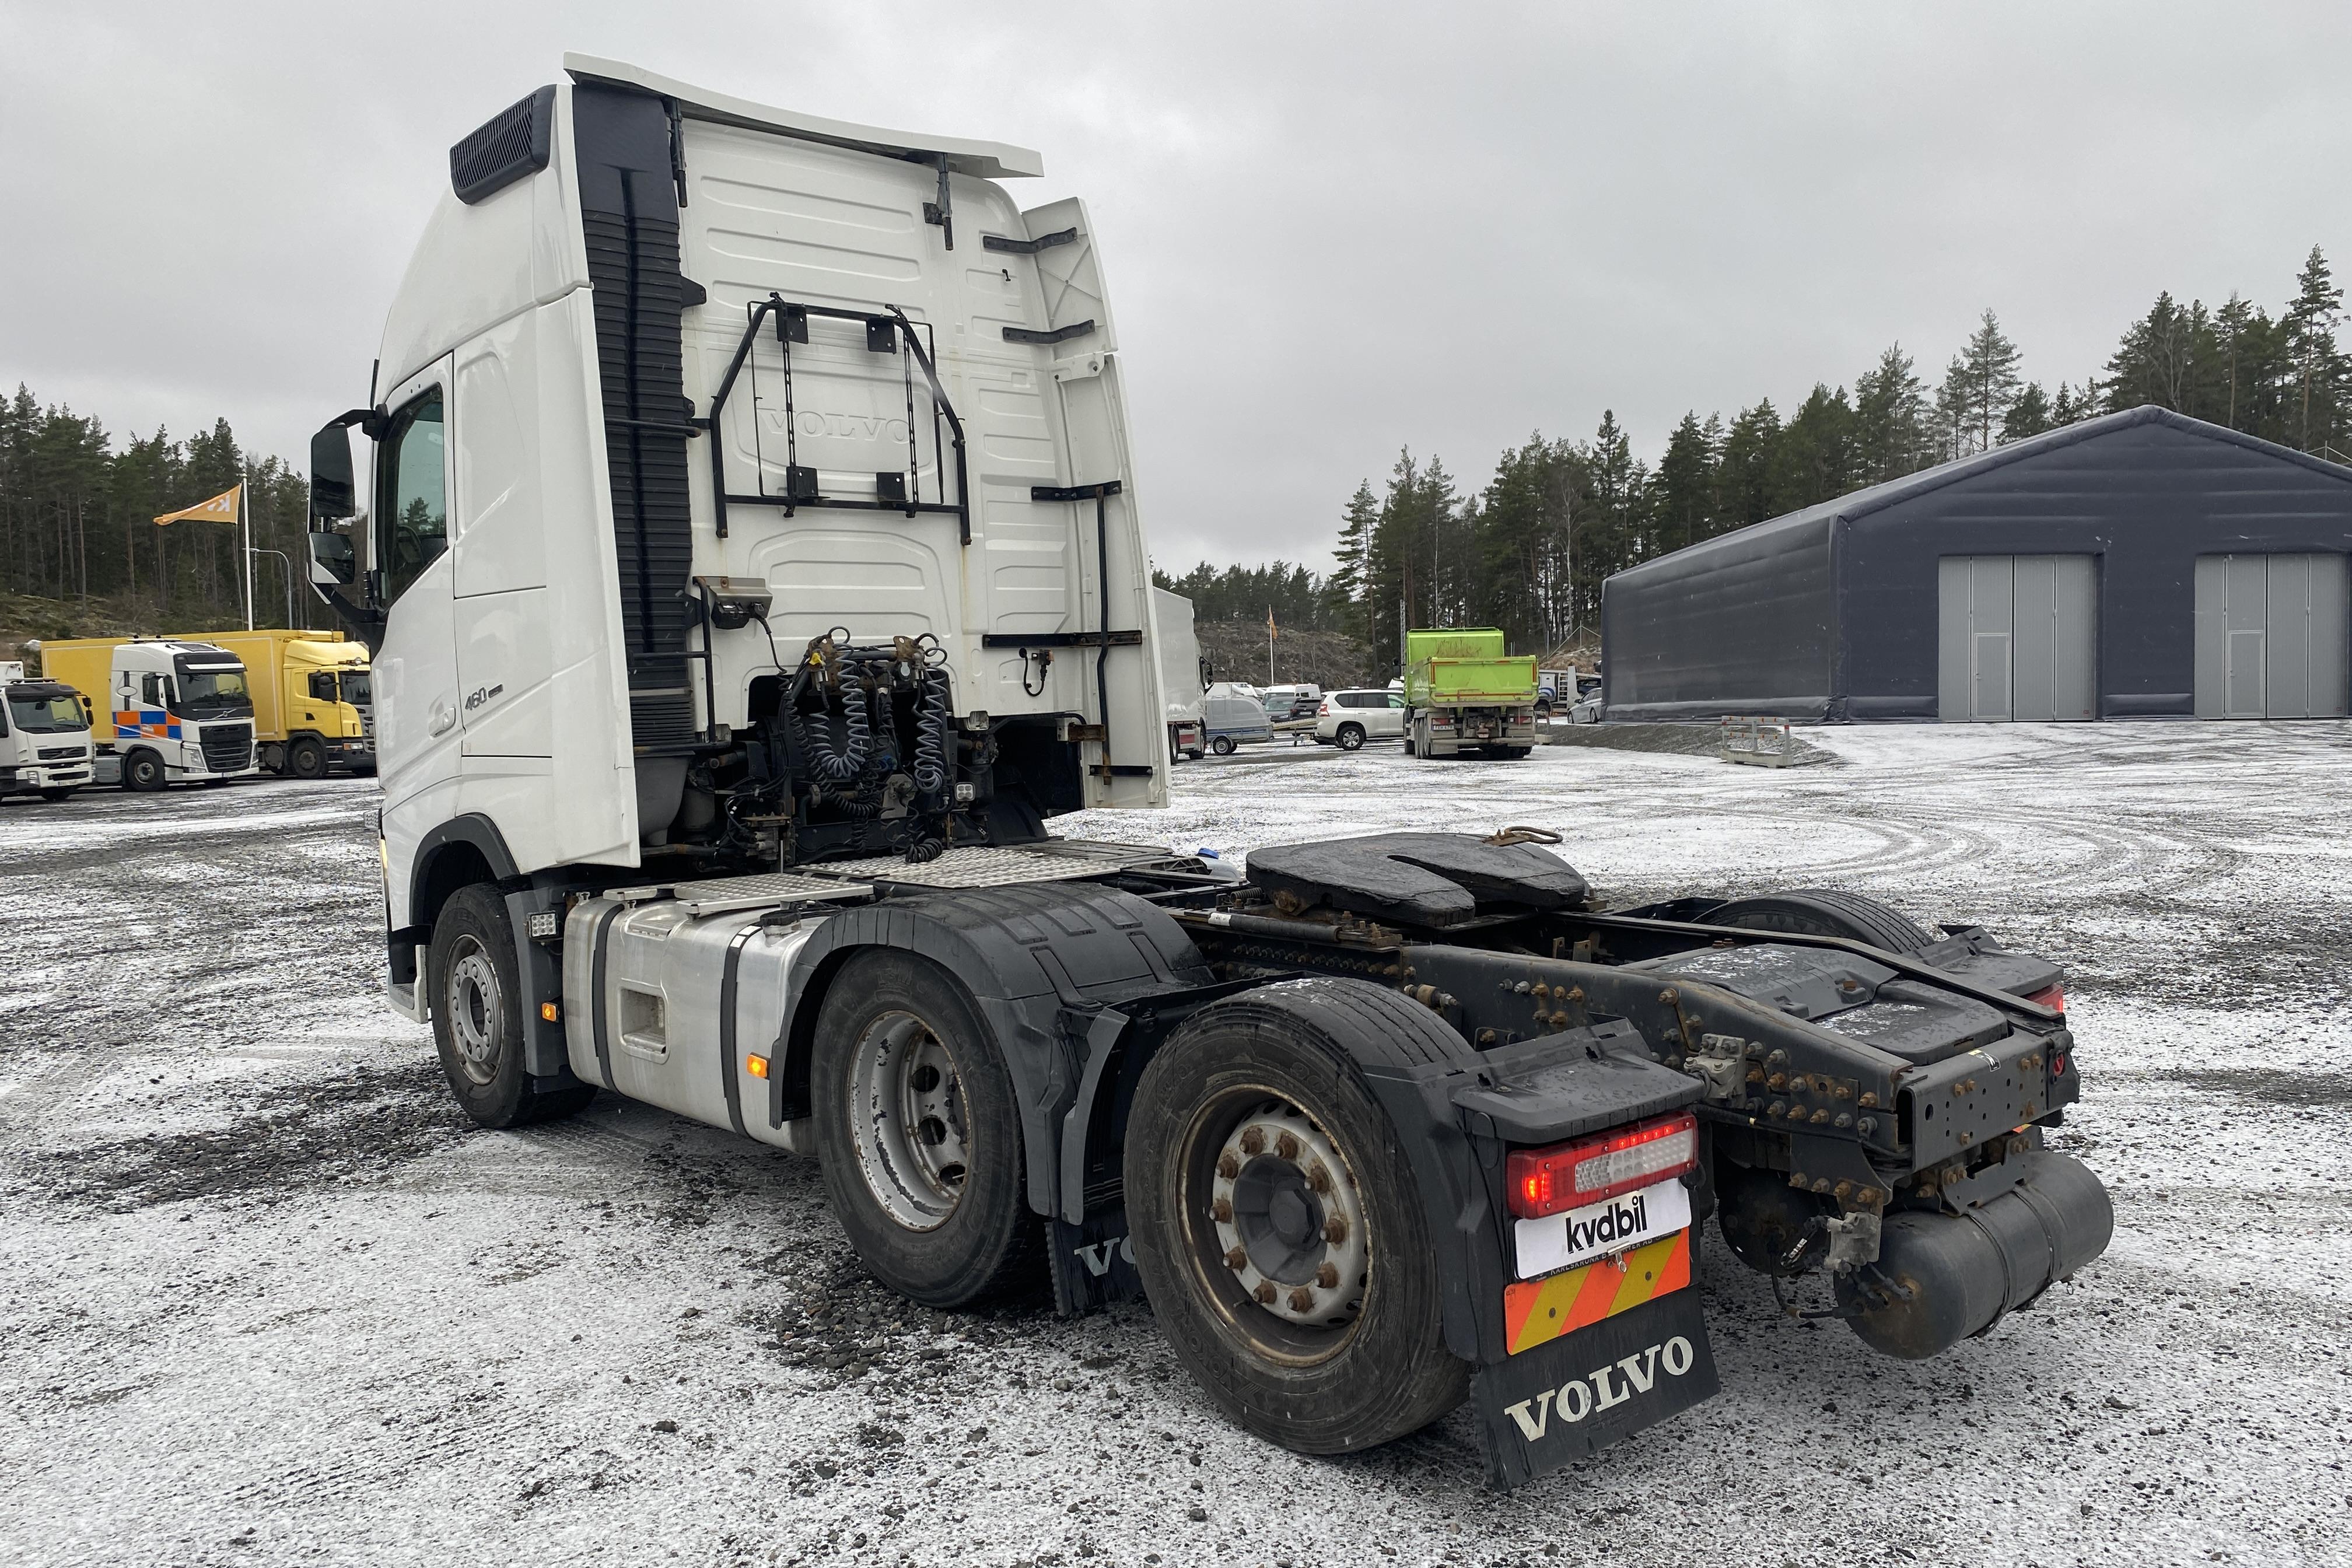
[{"x": 269, "y": 1298}]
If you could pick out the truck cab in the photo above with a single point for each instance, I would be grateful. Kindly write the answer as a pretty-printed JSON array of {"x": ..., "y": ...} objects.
[
  {"x": 312, "y": 698},
  {"x": 45, "y": 745},
  {"x": 164, "y": 710},
  {"x": 699, "y": 535}
]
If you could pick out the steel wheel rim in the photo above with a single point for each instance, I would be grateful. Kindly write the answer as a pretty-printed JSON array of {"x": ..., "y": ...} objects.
[
  {"x": 909, "y": 1121},
  {"x": 1247, "y": 1204},
  {"x": 476, "y": 1009}
]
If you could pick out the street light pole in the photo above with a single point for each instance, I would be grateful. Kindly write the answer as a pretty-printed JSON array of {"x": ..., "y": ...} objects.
[{"x": 286, "y": 574}]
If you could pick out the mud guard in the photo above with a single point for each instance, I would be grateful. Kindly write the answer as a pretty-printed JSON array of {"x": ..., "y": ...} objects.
[
  {"x": 1572, "y": 1397},
  {"x": 1455, "y": 1120}
]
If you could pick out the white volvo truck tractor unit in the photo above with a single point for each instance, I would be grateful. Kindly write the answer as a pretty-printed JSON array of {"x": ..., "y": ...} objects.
[{"x": 750, "y": 553}]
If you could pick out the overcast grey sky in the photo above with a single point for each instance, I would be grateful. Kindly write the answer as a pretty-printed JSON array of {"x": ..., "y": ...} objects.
[{"x": 1331, "y": 230}]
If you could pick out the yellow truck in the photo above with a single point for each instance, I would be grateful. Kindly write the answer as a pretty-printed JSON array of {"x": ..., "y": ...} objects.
[
  {"x": 1463, "y": 693},
  {"x": 312, "y": 705}
]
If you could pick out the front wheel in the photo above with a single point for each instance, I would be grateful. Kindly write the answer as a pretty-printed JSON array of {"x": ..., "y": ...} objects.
[
  {"x": 1222, "y": 745},
  {"x": 920, "y": 1131},
  {"x": 1351, "y": 737},
  {"x": 306, "y": 758},
  {"x": 478, "y": 1021},
  {"x": 143, "y": 771},
  {"x": 1280, "y": 1236}
]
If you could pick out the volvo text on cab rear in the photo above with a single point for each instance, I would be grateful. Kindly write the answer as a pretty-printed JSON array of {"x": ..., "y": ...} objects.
[{"x": 753, "y": 553}]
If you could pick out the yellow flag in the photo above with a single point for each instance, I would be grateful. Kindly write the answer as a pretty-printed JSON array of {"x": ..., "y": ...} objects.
[
  {"x": 1269, "y": 625},
  {"x": 222, "y": 508}
]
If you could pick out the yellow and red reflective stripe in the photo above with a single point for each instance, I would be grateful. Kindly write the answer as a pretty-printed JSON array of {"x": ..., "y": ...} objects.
[{"x": 1535, "y": 1312}]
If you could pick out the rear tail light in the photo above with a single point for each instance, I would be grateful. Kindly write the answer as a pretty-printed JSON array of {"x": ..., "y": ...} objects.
[
  {"x": 1570, "y": 1175},
  {"x": 2053, "y": 998},
  {"x": 1321, "y": 709}
]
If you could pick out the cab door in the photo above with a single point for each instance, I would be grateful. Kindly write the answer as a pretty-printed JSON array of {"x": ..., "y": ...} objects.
[{"x": 416, "y": 670}]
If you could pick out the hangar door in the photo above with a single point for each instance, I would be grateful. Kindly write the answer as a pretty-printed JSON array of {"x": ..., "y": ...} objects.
[
  {"x": 2270, "y": 636},
  {"x": 2017, "y": 638}
]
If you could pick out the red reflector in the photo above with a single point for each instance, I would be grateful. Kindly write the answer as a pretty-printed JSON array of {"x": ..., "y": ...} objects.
[
  {"x": 1570, "y": 1175},
  {"x": 2053, "y": 998}
]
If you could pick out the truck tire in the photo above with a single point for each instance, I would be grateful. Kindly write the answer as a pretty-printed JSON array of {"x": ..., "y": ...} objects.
[
  {"x": 306, "y": 758},
  {"x": 1350, "y": 737},
  {"x": 1278, "y": 1228},
  {"x": 143, "y": 771},
  {"x": 478, "y": 1025},
  {"x": 1824, "y": 911},
  {"x": 1222, "y": 744},
  {"x": 919, "y": 1132}
]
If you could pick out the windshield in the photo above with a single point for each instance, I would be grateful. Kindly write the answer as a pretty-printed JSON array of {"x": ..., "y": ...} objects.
[
  {"x": 46, "y": 715},
  {"x": 214, "y": 694},
  {"x": 355, "y": 688}
]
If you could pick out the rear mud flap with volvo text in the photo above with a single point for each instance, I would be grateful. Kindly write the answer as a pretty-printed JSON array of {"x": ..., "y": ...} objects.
[
  {"x": 1575, "y": 1395},
  {"x": 1093, "y": 1263}
]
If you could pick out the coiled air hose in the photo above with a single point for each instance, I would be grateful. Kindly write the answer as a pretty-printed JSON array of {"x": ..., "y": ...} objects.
[
  {"x": 931, "y": 735},
  {"x": 816, "y": 742}
]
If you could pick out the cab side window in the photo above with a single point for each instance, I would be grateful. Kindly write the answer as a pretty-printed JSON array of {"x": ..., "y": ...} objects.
[
  {"x": 322, "y": 686},
  {"x": 153, "y": 693},
  {"x": 413, "y": 505}
]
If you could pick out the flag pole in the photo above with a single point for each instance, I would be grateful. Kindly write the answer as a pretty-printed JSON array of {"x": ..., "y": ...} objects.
[{"x": 245, "y": 522}]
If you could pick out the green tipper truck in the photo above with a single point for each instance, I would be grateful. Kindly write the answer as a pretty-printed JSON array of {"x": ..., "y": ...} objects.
[{"x": 1462, "y": 694}]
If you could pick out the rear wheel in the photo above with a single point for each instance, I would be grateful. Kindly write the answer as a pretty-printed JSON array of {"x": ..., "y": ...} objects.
[
  {"x": 306, "y": 758},
  {"x": 920, "y": 1132},
  {"x": 143, "y": 771},
  {"x": 478, "y": 1020},
  {"x": 1824, "y": 911},
  {"x": 1280, "y": 1236},
  {"x": 1222, "y": 745},
  {"x": 1350, "y": 737}
]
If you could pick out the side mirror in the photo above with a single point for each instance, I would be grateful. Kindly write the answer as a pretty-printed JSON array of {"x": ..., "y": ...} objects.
[
  {"x": 333, "y": 562},
  {"x": 339, "y": 574},
  {"x": 333, "y": 497}
]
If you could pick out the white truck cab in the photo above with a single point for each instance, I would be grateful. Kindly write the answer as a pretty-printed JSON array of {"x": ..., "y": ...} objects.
[
  {"x": 45, "y": 745},
  {"x": 164, "y": 710},
  {"x": 183, "y": 714},
  {"x": 746, "y": 490}
]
